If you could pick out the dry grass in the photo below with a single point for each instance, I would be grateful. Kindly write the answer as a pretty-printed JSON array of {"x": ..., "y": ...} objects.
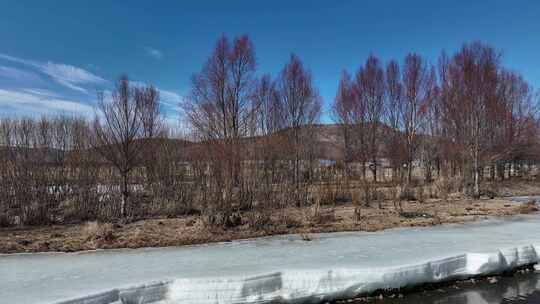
[
  {"x": 192, "y": 229},
  {"x": 305, "y": 220}
]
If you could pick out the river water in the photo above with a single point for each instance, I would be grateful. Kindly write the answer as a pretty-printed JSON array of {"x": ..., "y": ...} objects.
[{"x": 517, "y": 289}]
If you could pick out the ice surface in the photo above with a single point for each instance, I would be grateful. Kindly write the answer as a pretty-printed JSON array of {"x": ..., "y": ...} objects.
[{"x": 337, "y": 265}]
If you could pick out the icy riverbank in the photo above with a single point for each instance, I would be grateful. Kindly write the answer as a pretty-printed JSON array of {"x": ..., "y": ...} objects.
[
  {"x": 314, "y": 286},
  {"x": 337, "y": 265}
]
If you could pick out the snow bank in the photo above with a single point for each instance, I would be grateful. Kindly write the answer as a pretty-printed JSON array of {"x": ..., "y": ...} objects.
[
  {"x": 321, "y": 286},
  {"x": 100, "y": 298},
  {"x": 141, "y": 294},
  {"x": 149, "y": 293},
  {"x": 316, "y": 286}
]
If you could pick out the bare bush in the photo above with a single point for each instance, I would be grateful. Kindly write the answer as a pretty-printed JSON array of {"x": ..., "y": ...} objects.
[
  {"x": 97, "y": 233},
  {"x": 395, "y": 196},
  {"x": 420, "y": 194},
  {"x": 443, "y": 187},
  {"x": 260, "y": 220},
  {"x": 319, "y": 215}
]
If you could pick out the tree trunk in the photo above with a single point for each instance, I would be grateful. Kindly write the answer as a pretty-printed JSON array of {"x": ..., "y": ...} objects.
[
  {"x": 364, "y": 171},
  {"x": 476, "y": 175},
  {"x": 125, "y": 194},
  {"x": 428, "y": 175},
  {"x": 409, "y": 172},
  {"x": 374, "y": 170}
]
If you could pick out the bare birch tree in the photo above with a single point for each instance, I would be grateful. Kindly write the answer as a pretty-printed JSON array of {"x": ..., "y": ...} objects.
[
  {"x": 419, "y": 85},
  {"x": 300, "y": 107},
  {"x": 371, "y": 88},
  {"x": 119, "y": 126}
]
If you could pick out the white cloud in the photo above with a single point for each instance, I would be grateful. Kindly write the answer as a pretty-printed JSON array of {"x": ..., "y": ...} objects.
[
  {"x": 67, "y": 75},
  {"x": 41, "y": 92},
  {"x": 17, "y": 74},
  {"x": 16, "y": 59},
  {"x": 152, "y": 52},
  {"x": 70, "y": 76},
  {"x": 36, "y": 104},
  {"x": 27, "y": 97},
  {"x": 170, "y": 98}
]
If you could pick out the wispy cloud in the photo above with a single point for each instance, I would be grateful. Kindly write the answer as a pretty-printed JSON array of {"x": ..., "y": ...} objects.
[
  {"x": 167, "y": 98},
  {"x": 16, "y": 59},
  {"x": 67, "y": 75},
  {"x": 70, "y": 76},
  {"x": 30, "y": 87},
  {"x": 40, "y": 92},
  {"x": 36, "y": 103},
  {"x": 16, "y": 74},
  {"x": 170, "y": 98},
  {"x": 152, "y": 52}
]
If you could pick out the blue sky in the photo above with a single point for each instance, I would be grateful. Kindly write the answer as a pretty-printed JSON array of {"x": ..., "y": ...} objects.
[{"x": 55, "y": 55}]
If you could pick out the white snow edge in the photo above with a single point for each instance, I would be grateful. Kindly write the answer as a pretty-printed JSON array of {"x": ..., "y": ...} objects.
[{"x": 316, "y": 286}]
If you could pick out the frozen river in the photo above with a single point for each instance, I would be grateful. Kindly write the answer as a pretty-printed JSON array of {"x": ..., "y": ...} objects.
[{"x": 283, "y": 268}]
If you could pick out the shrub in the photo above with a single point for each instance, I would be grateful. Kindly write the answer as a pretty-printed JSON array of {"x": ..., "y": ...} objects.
[
  {"x": 331, "y": 195},
  {"x": 357, "y": 216},
  {"x": 98, "y": 233},
  {"x": 288, "y": 220},
  {"x": 319, "y": 215},
  {"x": 223, "y": 220},
  {"x": 420, "y": 194},
  {"x": 442, "y": 188},
  {"x": 367, "y": 193},
  {"x": 5, "y": 220},
  {"x": 407, "y": 194},
  {"x": 259, "y": 220},
  {"x": 395, "y": 198}
]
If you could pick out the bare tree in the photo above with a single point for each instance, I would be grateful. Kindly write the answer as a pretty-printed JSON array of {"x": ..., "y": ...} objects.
[
  {"x": 220, "y": 109},
  {"x": 343, "y": 111},
  {"x": 471, "y": 83},
  {"x": 300, "y": 106},
  {"x": 268, "y": 123},
  {"x": 419, "y": 87},
  {"x": 119, "y": 127},
  {"x": 511, "y": 129},
  {"x": 147, "y": 99},
  {"x": 371, "y": 90},
  {"x": 152, "y": 127},
  {"x": 266, "y": 101},
  {"x": 393, "y": 118},
  {"x": 219, "y": 105}
]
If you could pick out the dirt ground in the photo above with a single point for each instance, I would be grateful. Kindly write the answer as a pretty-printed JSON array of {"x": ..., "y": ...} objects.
[{"x": 193, "y": 230}]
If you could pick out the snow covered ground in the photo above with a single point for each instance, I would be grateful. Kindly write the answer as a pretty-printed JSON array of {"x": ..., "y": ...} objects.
[{"x": 330, "y": 266}]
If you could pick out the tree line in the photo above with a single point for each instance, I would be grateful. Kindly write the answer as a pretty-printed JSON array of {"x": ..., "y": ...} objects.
[
  {"x": 465, "y": 114},
  {"x": 256, "y": 144}
]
